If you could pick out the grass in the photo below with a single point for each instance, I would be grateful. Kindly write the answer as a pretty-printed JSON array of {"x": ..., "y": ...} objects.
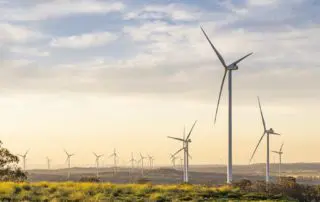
[{"x": 76, "y": 191}]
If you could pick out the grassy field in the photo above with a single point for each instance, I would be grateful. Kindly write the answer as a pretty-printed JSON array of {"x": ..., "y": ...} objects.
[{"x": 74, "y": 191}]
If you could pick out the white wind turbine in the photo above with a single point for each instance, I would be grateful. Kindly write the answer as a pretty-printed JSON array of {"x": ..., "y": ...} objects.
[
  {"x": 115, "y": 156},
  {"x": 150, "y": 158},
  {"x": 185, "y": 147},
  {"x": 132, "y": 160},
  {"x": 68, "y": 160},
  {"x": 280, "y": 158},
  {"x": 173, "y": 160},
  {"x": 267, "y": 133},
  {"x": 141, "y": 160},
  {"x": 97, "y": 162},
  {"x": 24, "y": 158},
  {"x": 48, "y": 162},
  {"x": 227, "y": 69}
]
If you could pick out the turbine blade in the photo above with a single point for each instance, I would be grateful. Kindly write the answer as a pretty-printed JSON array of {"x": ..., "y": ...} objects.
[
  {"x": 275, "y": 133},
  {"x": 189, "y": 155},
  {"x": 275, "y": 152},
  {"x": 191, "y": 130},
  {"x": 177, "y": 152},
  {"x": 263, "y": 121},
  {"x": 184, "y": 132},
  {"x": 219, "y": 98},
  {"x": 236, "y": 62},
  {"x": 281, "y": 147},
  {"x": 27, "y": 152},
  {"x": 175, "y": 138},
  {"x": 215, "y": 50},
  {"x": 257, "y": 146}
]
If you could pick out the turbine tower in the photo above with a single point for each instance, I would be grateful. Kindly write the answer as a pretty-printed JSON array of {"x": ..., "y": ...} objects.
[
  {"x": 227, "y": 69},
  {"x": 97, "y": 162},
  {"x": 24, "y": 157},
  {"x": 185, "y": 148},
  {"x": 267, "y": 133},
  {"x": 48, "y": 162},
  {"x": 68, "y": 160},
  {"x": 280, "y": 158},
  {"x": 115, "y": 156}
]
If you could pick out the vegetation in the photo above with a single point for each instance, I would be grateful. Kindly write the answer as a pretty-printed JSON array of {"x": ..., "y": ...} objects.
[
  {"x": 9, "y": 170},
  {"x": 79, "y": 191}
]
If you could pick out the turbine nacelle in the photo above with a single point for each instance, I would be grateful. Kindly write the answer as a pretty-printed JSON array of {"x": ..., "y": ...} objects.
[
  {"x": 232, "y": 67},
  {"x": 271, "y": 132}
]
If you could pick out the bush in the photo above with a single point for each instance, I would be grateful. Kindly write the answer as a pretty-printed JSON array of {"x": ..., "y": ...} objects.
[
  {"x": 89, "y": 179},
  {"x": 143, "y": 181}
]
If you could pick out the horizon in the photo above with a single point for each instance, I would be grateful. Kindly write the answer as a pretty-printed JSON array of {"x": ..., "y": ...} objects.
[{"x": 96, "y": 75}]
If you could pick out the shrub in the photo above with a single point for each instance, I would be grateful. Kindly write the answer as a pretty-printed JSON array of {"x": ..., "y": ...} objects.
[{"x": 89, "y": 179}]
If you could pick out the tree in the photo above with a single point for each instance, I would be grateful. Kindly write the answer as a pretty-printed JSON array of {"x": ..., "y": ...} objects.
[{"x": 9, "y": 170}]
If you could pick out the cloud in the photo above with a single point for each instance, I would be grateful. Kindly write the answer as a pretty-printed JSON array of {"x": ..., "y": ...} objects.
[
  {"x": 183, "y": 65},
  {"x": 262, "y": 2},
  {"x": 29, "y": 51},
  {"x": 160, "y": 57},
  {"x": 17, "y": 33},
  {"x": 84, "y": 41},
  {"x": 58, "y": 8},
  {"x": 172, "y": 11}
]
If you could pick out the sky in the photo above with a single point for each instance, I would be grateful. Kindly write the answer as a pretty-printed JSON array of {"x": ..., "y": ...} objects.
[{"x": 94, "y": 75}]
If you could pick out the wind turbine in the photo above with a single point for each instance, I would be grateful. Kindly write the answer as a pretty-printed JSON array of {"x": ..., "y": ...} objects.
[
  {"x": 267, "y": 133},
  {"x": 132, "y": 160},
  {"x": 227, "y": 69},
  {"x": 181, "y": 163},
  {"x": 24, "y": 157},
  {"x": 150, "y": 161},
  {"x": 68, "y": 160},
  {"x": 97, "y": 162},
  {"x": 115, "y": 156},
  {"x": 48, "y": 162},
  {"x": 173, "y": 160},
  {"x": 141, "y": 160},
  {"x": 185, "y": 147},
  {"x": 280, "y": 158}
]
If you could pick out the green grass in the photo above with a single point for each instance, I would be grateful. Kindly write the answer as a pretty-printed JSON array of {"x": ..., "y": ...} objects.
[{"x": 74, "y": 191}]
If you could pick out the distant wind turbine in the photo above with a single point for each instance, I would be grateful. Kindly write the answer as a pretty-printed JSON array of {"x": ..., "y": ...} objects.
[
  {"x": 280, "y": 158},
  {"x": 24, "y": 157},
  {"x": 267, "y": 133},
  {"x": 68, "y": 160},
  {"x": 115, "y": 156},
  {"x": 227, "y": 69},
  {"x": 48, "y": 162},
  {"x": 181, "y": 163},
  {"x": 97, "y": 162},
  {"x": 141, "y": 160},
  {"x": 173, "y": 160},
  {"x": 150, "y": 158},
  {"x": 132, "y": 160},
  {"x": 185, "y": 148}
]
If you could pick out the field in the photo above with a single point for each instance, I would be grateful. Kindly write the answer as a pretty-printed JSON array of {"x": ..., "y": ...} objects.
[
  {"x": 76, "y": 191},
  {"x": 209, "y": 175}
]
